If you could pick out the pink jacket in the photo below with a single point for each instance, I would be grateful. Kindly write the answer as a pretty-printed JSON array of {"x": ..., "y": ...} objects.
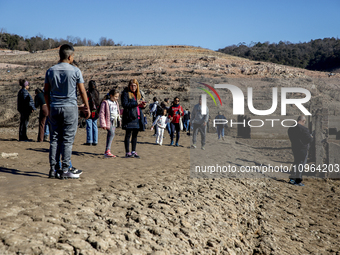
[{"x": 105, "y": 116}]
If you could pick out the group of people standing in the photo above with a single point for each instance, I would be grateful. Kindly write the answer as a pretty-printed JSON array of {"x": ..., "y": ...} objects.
[{"x": 58, "y": 104}]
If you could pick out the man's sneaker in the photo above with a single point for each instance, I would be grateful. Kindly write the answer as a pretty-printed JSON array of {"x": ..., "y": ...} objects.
[
  {"x": 75, "y": 170},
  {"x": 135, "y": 155},
  {"x": 176, "y": 145},
  {"x": 108, "y": 154},
  {"x": 52, "y": 173},
  {"x": 203, "y": 148},
  {"x": 299, "y": 184},
  {"x": 69, "y": 175},
  {"x": 194, "y": 146},
  {"x": 223, "y": 138},
  {"x": 128, "y": 155},
  {"x": 292, "y": 181},
  {"x": 172, "y": 143}
]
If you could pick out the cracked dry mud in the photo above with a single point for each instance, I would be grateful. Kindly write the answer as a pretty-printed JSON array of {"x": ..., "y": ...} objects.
[{"x": 152, "y": 206}]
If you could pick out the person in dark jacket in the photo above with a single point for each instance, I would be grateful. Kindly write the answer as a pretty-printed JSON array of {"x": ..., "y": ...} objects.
[
  {"x": 133, "y": 118},
  {"x": 300, "y": 139},
  {"x": 219, "y": 126},
  {"x": 91, "y": 123},
  {"x": 25, "y": 108},
  {"x": 39, "y": 101}
]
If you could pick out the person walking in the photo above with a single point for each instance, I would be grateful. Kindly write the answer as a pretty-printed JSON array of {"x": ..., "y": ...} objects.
[
  {"x": 61, "y": 83},
  {"x": 91, "y": 123},
  {"x": 109, "y": 118},
  {"x": 175, "y": 113},
  {"x": 300, "y": 139},
  {"x": 39, "y": 101},
  {"x": 186, "y": 120},
  {"x": 25, "y": 106},
  {"x": 161, "y": 121},
  {"x": 219, "y": 126},
  {"x": 133, "y": 118},
  {"x": 199, "y": 123}
]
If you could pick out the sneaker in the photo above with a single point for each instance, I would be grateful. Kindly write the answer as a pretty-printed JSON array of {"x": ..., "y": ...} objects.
[
  {"x": 176, "y": 145},
  {"x": 135, "y": 155},
  {"x": 75, "y": 170},
  {"x": 45, "y": 138},
  {"x": 291, "y": 181},
  {"x": 88, "y": 144},
  {"x": 108, "y": 154},
  {"x": 299, "y": 184},
  {"x": 223, "y": 138},
  {"x": 69, "y": 175},
  {"x": 203, "y": 148},
  {"x": 94, "y": 144},
  {"x": 58, "y": 173},
  {"x": 154, "y": 135},
  {"x": 128, "y": 155},
  {"x": 194, "y": 146},
  {"x": 172, "y": 143},
  {"x": 52, "y": 173}
]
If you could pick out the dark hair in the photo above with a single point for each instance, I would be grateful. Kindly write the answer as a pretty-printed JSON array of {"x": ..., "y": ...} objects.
[
  {"x": 92, "y": 85},
  {"x": 155, "y": 99},
  {"x": 65, "y": 51},
  {"x": 37, "y": 91},
  {"x": 176, "y": 98},
  {"x": 166, "y": 99},
  {"x": 93, "y": 92},
  {"x": 22, "y": 82},
  {"x": 107, "y": 96}
]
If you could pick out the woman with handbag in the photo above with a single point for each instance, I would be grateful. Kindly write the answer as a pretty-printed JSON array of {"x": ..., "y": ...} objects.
[
  {"x": 133, "y": 118},
  {"x": 91, "y": 123}
]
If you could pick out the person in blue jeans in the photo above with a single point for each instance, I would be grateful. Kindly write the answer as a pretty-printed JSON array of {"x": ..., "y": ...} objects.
[
  {"x": 220, "y": 125},
  {"x": 91, "y": 123},
  {"x": 61, "y": 83}
]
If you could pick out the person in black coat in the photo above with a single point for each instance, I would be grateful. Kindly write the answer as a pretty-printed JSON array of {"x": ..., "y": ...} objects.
[
  {"x": 300, "y": 139},
  {"x": 25, "y": 108},
  {"x": 133, "y": 118}
]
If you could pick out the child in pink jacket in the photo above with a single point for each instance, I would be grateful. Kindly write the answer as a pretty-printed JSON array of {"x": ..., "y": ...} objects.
[{"x": 109, "y": 117}]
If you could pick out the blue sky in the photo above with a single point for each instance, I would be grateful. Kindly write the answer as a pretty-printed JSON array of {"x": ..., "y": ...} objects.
[{"x": 209, "y": 24}]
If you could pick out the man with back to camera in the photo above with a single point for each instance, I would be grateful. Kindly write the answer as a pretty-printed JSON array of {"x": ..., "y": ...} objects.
[
  {"x": 199, "y": 123},
  {"x": 61, "y": 83},
  {"x": 300, "y": 139}
]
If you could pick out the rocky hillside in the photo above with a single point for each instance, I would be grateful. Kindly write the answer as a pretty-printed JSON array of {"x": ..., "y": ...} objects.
[{"x": 164, "y": 71}]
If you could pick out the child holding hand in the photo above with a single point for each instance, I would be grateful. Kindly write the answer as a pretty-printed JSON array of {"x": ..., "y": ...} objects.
[
  {"x": 161, "y": 121},
  {"x": 109, "y": 118}
]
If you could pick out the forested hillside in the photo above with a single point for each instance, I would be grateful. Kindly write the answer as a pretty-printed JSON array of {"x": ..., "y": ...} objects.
[
  {"x": 320, "y": 54},
  {"x": 39, "y": 42}
]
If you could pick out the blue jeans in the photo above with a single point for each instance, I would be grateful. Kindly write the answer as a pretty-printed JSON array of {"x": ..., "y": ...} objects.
[
  {"x": 168, "y": 128},
  {"x": 64, "y": 123},
  {"x": 220, "y": 131},
  {"x": 91, "y": 131},
  {"x": 47, "y": 129},
  {"x": 186, "y": 125},
  {"x": 110, "y": 136}
]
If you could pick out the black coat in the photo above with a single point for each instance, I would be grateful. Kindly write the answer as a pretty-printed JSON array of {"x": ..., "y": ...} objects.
[
  {"x": 299, "y": 137},
  {"x": 130, "y": 116}
]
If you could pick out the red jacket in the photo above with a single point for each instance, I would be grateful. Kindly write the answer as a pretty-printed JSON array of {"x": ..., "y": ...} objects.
[{"x": 173, "y": 112}]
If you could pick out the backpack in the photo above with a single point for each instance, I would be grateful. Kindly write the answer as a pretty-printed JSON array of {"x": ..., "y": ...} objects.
[{"x": 158, "y": 111}]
